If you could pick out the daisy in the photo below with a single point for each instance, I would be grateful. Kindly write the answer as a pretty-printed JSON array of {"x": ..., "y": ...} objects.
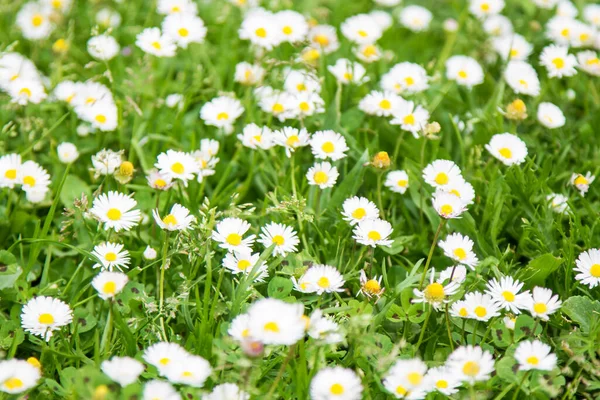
[
  {"x": 361, "y": 29},
  {"x": 177, "y": 165},
  {"x": 368, "y": 53},
  {"x": 558, "y": 61},
  {"x": 191, "y": 370},
  {"x": 542, "y": 303},
  {"x": 591, "y": 13},
  {"x": 18, "y": 376},
  {"x": 441, "y": 379},
  {"x": 533, "y": 354},
  {"x": 550, "y": 116},
  {"x": 328, "y": 144},
  {"x": 103, "y": 47},
  {"x": 116, "y": 211},
  {"x": 448, "y": 205},
  {"x": 370, "y": 287},
  {"x": 558, "y": 202},
  {"x": 248, "y": 74},
  {"x": 565, "y": 8},
  {"x": 229, "y": 233},
  {"x": 292, "y": 25},
  {"x": 244, "y": 262},
  {"x": 24, "y": 91},
  {"x": 222, "y": 112},
  {"x": 522, "y": 78},
  {"x": 34, "y": 21},
  {"x": 67, "y": 153},
  {"x": 498, "y": 25},
  {"x": 33, "y": 177},
  {"x": 435, "y": 293},
  {"x": 582, "y": 182},
  {"x": 461, "y": 189},
  {"x": 471, "y": 363},
  {"x": 282, "y": 236},
  {"x": 460, "y": 309},
  {"x": 588, "y": 268},
  {"x": 256, "y": 137},
  {"x": 508, "y": 148},
  {"x": 307, "y": 104},
  {"x": 169, "y": 7},
  {"x": 179, "y": 219},
  {"x": 373, "y": 232},
  {"x": 346, "y": 71},
  {"x": 548, "y": 4},
  {"x": 411, "y": 118},
  {"x": 164, "y": 354},
  {"x": 464, "y": 70},
  {"x": 111, "y": 255},
  {"x": 123, "y": 370},
  {"x": 298, "y": 82},
  {"x": 512, "y": 47},
  {"x": 506, "y": 293},
  {"x": 276, "y": 322},
  {"x": 324, "y": 37},
  {"x": 159, "y": 181},
  {"x": 324, "y": 175},
  {"x": 455, "y": 273},
  {"x": 336, "y": 383},
  {"x": 440, "y": 173},
  {"x": 159, "y": 390},
  {"x": 380, "y": 104},
  {"x": 485, "y": 8},
  {"x": 206, "y": 163},
  {"x": 102, "y": 115},
  {"x": 405, "y": 77},
  {"x": 321, "y": 279},
  {"x": 106, "y": 162},
  {"x": 43, "y": 315},
  {"x": 152, "y": 41},
  {"x": 108, "y": 18},
  {"x": 415, "y": 18},
  {"x": 460, "y": 249},
  {"x": 239, "y": 328},
  {"x": 397, "y": 181},
  {"x": 175, "y": 100},
  {"x": 482, "y": 307},
  {"x": 589, "y": 62},
  {"x": 261, "y": 28},
  {"x": 356, "y": 209},
  {"x": 226, "y": 391},
  {"x": 323, "y": 329},
  {"x": 109, "y": 284},
  {"x": 291, "y": 139},
  {"x": 407, "y": 376},
  {"x": 282, "y": 105},
  {"x": 184, "y": 29}
]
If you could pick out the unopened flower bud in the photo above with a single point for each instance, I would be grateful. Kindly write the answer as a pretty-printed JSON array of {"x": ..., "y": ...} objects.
[
  {"x": 381, "y": 160},
  {"x": 100, "y": 392},
  {"x": 516, "y": 110},
  {"x": 252, "y": 348}
]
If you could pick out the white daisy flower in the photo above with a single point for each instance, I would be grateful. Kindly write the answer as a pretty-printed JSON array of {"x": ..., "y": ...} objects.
[
  {"x": 179, "y": 219},
  {"x": 582, "y": 182},
  {"x": 323, "y": 328},
  {"x": 361, "y": 29},
  {"x": 103, "y": 115},
  {"x": 522, "y": 78},
  {"x": 282, "y": 105},
  {"x": 460, "y": 249},
  {"x": 321, "y": 279},
  {"x": 591, "y": 13},
  {"x": 485, "y": 8},
  {"x": 184, "y": 29},
  {"x": 346, "y": 71},
  {"x": 298, "y": 82},
  {"x": 177, "y": 165},
  {"x": 191, "y": 370},
  {"x": 441, "y": 379},
  {"x": 152, "y": 41},
  {"x": 24, "y": 91},
  {"x": 324, "y": 37},
  {"x": 103, "y": 47},
  {"x": 356, "y": 209},
  {"x": 108, "y": 18},
  {"x": 405, "y": 77},
  {"x": 471, "y": 363},
  {"x": 291, "y": 139},
  {"x": 116, "y": 211},
  {"x": 17, "y": 376},
  {"x": 410, "y": 117},
  {"x": 558, "y": 61},
  {"x": 455, "y": 273},
  {"x": 306, "y": 104},
  {"x": 164, "y": 354},
  {"x": 558, "y": 202},
  {"x": 464, "y": 70},
  {"x": 261, "y": 28},
  {"x": 589, "y": 62},
  {"x": 229, "y": 233},
  {"x": 34, "y": 21},
  {"x": 448, "y": 205},
  {"x": 249, "y": 74},
  {"x": 111, "y": 255},
  {"x": 276, "y": 322},
  {"x": 565, "y": 8},
  {"x": 67, "y": 152},
  {"x": 542, "y": 303},
  {"x": 106, "y": 162},
  {"x": 149, "y": 253},
  {"x": 109, "y": 284},
  {"x": 460, "y": 309},
  {"x": 168, "y": 7},
  {"x": 336, "y": 383},
  {"x": 159, "y": 390},
  {"x": 498, "y": 25},
  {"x": 550, "y": 116},
  {"x": 482, "y": 307},
  {"x": 405, "y": 377},
  {"x": 244, "y": 262},
  {"x": 292, "y": 25},
  {"x": 226, "y": 391},
  {"x": 373, "y": 232},
  {"x": 256, "y": 137},
  {"x": 441, "y": 173},
  {"x": 533, "y": 354},
  {"x": 415, "y": 18},
  {"x": 368, "y": 53},
  {"x": 328, "y": 144},
  {"x": 159, "y": 181},
  {"x": 324, "y": 175},
  {"x": 370, "y": 287},
  {"x": 222, "y": 112},
  {"x": 239, "y": 328},
  {"x": 33, "y": 177},
  {"x": 506, "y": 293},
  {"x": 381, "y": 104},
  {"x": 512, "y": 47},
  {"x": 588, "y": 268},
  {"x": 43, "y": 315},
  {"x": 397, "y": 181},
  {"x": 435, "y": 293},
  {"x": 508, "y": 148},
  {"x": 461, "y": 189},
  {"x": 282, "y": 236}
]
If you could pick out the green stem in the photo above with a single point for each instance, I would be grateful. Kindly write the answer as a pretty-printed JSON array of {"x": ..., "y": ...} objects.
[
  {"x": 430, "y": 255},
  {"x": 163, "y": 266},
  {"x": 423, "y": 329},
  {"x": 281, "y": 370},
  {"x": 448, "y": 327},
  {"x": 105, "y": 342},
  {"x": 520, "y": 385}
]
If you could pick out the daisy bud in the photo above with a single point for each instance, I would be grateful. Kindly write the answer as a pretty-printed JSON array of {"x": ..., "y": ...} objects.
[
  {"x": 431, "y": 129},
  {"x": 126, "y": 168},
  {"x": 61, "y": 46},
  {"x": 450, "y": 25},
  {"x": 149, "y": 253},
  {"x": 67, "y": 152},
  {"x": 100, "y": 392},
  {"x": 516, "y": 110},
  {"x": 252, "y": 348},
  {"x": 381, "y": 160}
]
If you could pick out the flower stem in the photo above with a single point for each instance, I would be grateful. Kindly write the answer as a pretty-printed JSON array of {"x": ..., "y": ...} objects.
[
  {"x": 280, "y": 373},
  {"x": 161, "y": 301},
  {"x": 423, "y": 329},
  {"x": 520, "y": 384},
  {"x": 430, "y": 255}
]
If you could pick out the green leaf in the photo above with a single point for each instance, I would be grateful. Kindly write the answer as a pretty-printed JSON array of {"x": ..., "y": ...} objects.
[
  {"x": 583, "y": 311},
  {"x": 279, "y": 287},
  {"x": 524, "y": 327},
  {"x": 73, "y": 188},
  {"x": 501, "y": 334},
  {"x": 504, "y": 369},
  {"x": 85, "y": 320},
  {"x": 539, "y": 269},
  {"x": 9, "y": 270}
]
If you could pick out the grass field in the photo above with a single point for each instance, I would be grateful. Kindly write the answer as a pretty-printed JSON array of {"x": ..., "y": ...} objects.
[{"x": 177, "y": 211}]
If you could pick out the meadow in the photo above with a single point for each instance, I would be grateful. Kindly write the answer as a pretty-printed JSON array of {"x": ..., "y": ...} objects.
[{"x": 317, "y": 199}]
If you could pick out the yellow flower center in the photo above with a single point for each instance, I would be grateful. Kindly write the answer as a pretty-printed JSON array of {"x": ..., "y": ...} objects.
[
  {"x": 564, "y": 32},
  {"x": 540, "y": 308},
  {"x": 278, "y": 240},
  {"x": 581, "y": 180},
  {"x": 271, "y": 327},
  {"x": 480, "y": 311},
  {"x": 164, "y": 361},
  {"x": 13, "y": 383},
  {"x": 409, "y": 119},
  {"x": 170, "y": 220},
  {"x": 113, "y": 214},
  {"x": 533, "y": 360},
  {"x": 321, "y": 39},
  {"x": 323, "y": 282},
  {"x": 25, "y": 91},
  {"x": 584, "y": 37},
  {"x": 320, "y": 177},
  {"x": 462, "y": 74},
  {"x": 243, "y": 264},
  {"x": 485, "y": 7},
  {"x": 441, "y": 178},
  {"x": 359, "y": 213},
  {"x": 100, "y": 118},
  {"x": 385, "y": 104},
  {"x": 523, "y": 83},
  {"x": 463, "y": 312},
  {"x": 558, "y": 62},
  {"x": 401, "y": 390},
  {"x": 508, "y": 296},
  {"x": 402, "y": 183},
  {"x": 593, "y": 61},
  {"x": 46, "y": 319},
  {"x": 35, "y": 362},
  {"x": 362, "y": 33},
  {"x": 187, "y": 374},
  {"x": 348, "y": 76},
  {"x": 311, "y": 55},
  {"x": 505, "y": 152},
  {"x": 156, "y": 45},
  {"x": 109, "y": 288},
  {"x": 37, "y": 20},
  {"x": 336, "y": 389},
  {"x": 460, "y": 253},
  {"x": 374, "y": 236},
  {"x": 56, "y": 3},
  {"x": 471, "y": 368},
  {"x": 278, "y": 108},
  {"x": 514, "y": 53},
  {"x": 177, "y": 168},
  {"x": 415, "y": 378},
  {"x": 261, "y": 32},
  {"x": 257, "y": 138},
  {"x": 222, "y": 116},
  {"x": 441, "y": 384},
  {"x": 370, "y": 51},
  {"x": 595, "y": 270},
  {"x": 292, "y": 140},
  {"x": 29, "y": 181},
  {"x": 372, "y": 286},
  {"x": 304, "y": 106},
  {"x": 287, "y": 30},
  {"x": 434, "y": 292},
  {"x": 246, "y": 332},
  {"x": 183, "y": 32},
  {"x": 409, "y": 81},
  {"x": 446, "y": 209},
  {"x": 328, "y": 147},
  {"x": 234, "y": 239},
  {"x": 110, "y": 257},
  {"x": 10, "y": 174},
  {"x": 161, "y": 183},
  {"x": 175, "y": 9}
]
